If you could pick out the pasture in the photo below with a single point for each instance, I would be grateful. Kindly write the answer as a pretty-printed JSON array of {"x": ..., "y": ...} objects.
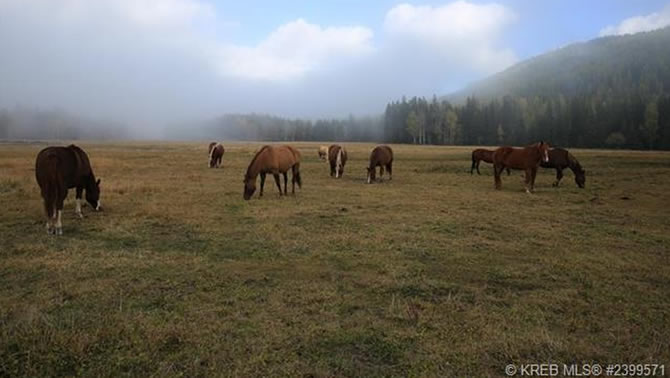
[{"x": 432, "y": 274}]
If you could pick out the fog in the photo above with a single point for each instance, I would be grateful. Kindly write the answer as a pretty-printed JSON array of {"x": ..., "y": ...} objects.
[{"x": 149, "y": 64}]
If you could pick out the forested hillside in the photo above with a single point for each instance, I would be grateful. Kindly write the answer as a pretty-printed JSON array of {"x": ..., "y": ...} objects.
[{"x": 609, "y": 92}]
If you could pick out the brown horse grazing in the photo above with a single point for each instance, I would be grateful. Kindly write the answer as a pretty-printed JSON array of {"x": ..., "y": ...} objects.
[
  {"x": 560, "y": 159},
  {"x": 323, "y": 152},
  {"x": 481, "y": 154},
  {"x": 274, "y": 160},
  {"x": 337, "y": 157},
  {"x": 381, "y": 156},
  {"x": 527, "y": 159},
  {"x": 216, "y": 151},
  {"x": 58, "y": 169}
]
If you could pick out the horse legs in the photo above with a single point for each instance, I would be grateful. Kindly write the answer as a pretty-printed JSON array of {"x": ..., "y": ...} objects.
[
  {"x": 381, "y": 172},
  {"x": 293, "y": 179},
  {"x": 559, "y": 176},
  {"x": 472, "y": 167},
  {"x": 285, "y": 183},
  {"x": 58, "y": 213},
  {"x": 276, "y": 176},
  {"x": 507, "y": 171},
  {"x": 262, "y": 184},
  {"x": 332, "y": 169},
  {"x": 389, "y": 167},
  {"x": 532, "y": 178},
  {"x": 497, "y": 169},
  {"x": 477, "y": 166},
  {"x": 528, "y": 177},
  {"x": 77, "y": 209},
  {"x": 47, "y": 206}
]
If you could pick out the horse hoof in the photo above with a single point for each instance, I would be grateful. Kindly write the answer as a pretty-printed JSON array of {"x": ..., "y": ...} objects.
[{"x": 59, "y": 231}]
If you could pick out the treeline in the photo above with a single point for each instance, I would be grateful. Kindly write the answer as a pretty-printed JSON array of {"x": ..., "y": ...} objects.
[
  {"x": 254, "y": 127},
  {"x": 32, "y": 123},
  {"x": 633, "y": 121}
]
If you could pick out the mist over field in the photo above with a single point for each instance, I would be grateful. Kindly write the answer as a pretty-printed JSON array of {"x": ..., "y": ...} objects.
[{"x": 196, "y": 69}]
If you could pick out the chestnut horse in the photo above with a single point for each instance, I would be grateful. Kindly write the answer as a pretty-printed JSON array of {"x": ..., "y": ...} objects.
[
  {"x": 58, "y": 169},
  {"x": 560, "y": 159},
  {"x": 381, "y": 156},
  {"x": 273, "y": 160},
  {"x": 216, "y": 151},
  {"x": 527, "y": 159},
  {"x": 323, "y": 153},
  {"x": 337, "y": 157},
  {"x": 481, "y": 154}
]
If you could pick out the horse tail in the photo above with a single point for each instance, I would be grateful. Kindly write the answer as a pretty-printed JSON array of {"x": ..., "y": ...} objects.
[
  {"x": 211, "y": 152},
  {"x": 296, "y": 174},
  {"x": 474, "y": 162},
  {"x": 338, "y": 162},
  {"x": 50, "y": 184}
]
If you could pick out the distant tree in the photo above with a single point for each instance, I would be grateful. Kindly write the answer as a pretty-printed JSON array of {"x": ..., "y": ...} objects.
[
  {"x": 650, "y": 126},
  {"x": 5, "y": 121},
  {"x": 615, "y": 140},
  {"x": 501, "y": 134},
  {"x": 412, "y": 125},
  {"x": 453, "y": 128}
]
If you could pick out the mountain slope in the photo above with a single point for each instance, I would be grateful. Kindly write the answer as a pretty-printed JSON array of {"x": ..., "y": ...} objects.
[{"x": 616, "y": 64}]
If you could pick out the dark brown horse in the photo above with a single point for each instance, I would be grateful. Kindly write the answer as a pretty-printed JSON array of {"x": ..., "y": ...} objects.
[
  {"x": 58, "y": 169},
  {"x": 527, "y": 159},
  {"x": 560, "y": 159},
  {"x": 479, "y": 155},
  {"x": 216, "y": 151},
  {"x": 381, "y": 156},
  {"x": 273, "y": 160},
  {"x": 337, "y": 157}
]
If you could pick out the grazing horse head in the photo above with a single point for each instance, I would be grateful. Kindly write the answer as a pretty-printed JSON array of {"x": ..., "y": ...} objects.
[
  {"x": 580, "y": 178},
  {"x": 93, "y": 193},
  {"x": 249, "y": 187},
  {"x": 371, "y": 175}
]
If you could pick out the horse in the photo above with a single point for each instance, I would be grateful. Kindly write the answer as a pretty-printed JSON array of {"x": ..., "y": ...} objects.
[
  {"x": 481, "y": 154},
  {"x": 527, "y": 159},
  {"x": 323, "y": 153},
  {"x": 216, "y": 151},
  {"x": 337, "y": 156},
  {"x": 58, "y": 169},
  {"x": 381, "y": 156},
  {"x": 273, "y": 160},
  {"x": 560, "y": 159}
]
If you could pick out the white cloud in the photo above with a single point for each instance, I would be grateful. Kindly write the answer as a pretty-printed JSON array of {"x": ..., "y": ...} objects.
[
  {"x": 155, "y": 61},
  {"x": 293, "y": 50},
  {"x": 638, "y": 24},
  {"x": 460, "y": 32}
]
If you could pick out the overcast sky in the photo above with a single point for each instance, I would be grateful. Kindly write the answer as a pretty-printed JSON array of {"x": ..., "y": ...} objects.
[{"x": 152, "y": 62}]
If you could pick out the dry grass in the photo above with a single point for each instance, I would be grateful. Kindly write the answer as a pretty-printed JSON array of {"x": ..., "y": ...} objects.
[{"x": 434, "y": 273}]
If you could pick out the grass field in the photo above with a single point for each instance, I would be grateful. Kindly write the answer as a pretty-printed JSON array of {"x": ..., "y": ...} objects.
[{"x": 431, "y": 274}]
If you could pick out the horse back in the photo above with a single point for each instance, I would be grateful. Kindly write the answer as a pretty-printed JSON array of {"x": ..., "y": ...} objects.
[
  {"x": 483, "y": 154},
  {"x": 283, "y": 158},
  {"x": 558, "y": 158},
  {"x": 381, "y": 155},
  {"x": 69, "y": 165}
]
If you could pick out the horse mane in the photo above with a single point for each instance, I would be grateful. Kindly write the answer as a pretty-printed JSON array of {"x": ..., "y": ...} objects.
[
  {"x": 83, "y": 168},
  {"x": 573, "y": 163},
  {"x": 255, "y": 158}
]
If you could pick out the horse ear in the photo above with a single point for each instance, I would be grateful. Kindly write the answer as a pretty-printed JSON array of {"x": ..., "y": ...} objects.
[{"x": 97, "y": 182}]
